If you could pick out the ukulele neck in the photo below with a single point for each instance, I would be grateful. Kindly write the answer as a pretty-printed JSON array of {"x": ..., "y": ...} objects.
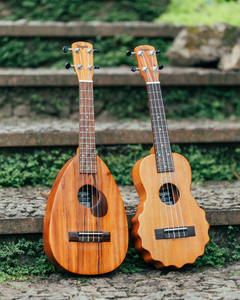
[
  {"x": 163, "y": 153},
  {"x": 87, "y": 155}
]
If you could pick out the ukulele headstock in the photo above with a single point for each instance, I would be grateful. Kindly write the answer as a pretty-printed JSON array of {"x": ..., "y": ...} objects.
[
  {"x": 82, "y": 53},
  {"x": 147, "y": 62}
]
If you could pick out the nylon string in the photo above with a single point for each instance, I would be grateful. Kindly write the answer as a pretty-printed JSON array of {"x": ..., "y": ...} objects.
[{"x": 163, "y": 145}]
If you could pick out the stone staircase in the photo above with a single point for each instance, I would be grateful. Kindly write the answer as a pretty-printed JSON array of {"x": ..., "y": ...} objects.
[{"x": 21, "y": 211}]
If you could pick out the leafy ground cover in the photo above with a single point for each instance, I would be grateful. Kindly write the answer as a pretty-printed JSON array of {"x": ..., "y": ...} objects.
[
  {"x": 24, "y": 258},
  {"x": 41, "y": 168},
  {"x": 130, "y": 102},
  {"x": 42, "y": 52},
  {"x": 188, "y": 12},
  {"x": 81, "y": 10}
]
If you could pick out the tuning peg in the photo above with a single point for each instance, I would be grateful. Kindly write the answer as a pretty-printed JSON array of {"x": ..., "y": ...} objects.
[
  {"x": 158, "y": 51},
  {"x": 134, "y": 69},
  {"x": 160, "y": 67},
  {"x": 95, "y": 50},
  {"x": 65, "y": 49},
  {"x": 128, "y": 53},
  {"x": 96, "y": 67},
  {"x": 68, "y": 65}
]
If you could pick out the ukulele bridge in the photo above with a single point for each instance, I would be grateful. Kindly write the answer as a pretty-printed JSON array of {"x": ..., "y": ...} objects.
[
  {"x": 174, "y": 232},
  {"x": 89, "y": 236}
]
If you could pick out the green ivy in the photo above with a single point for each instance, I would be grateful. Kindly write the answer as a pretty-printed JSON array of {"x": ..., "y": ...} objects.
[
  {"x": 41, "y": 167},
  {"x": 233, "y": 243},
  {"x": 42, "y": 52},
  {"x": 132, "y": 102},
  {"x": 213, "y": 255},
  {"x": 82, "y": 10},
  {"x": 24, "y": 258}
]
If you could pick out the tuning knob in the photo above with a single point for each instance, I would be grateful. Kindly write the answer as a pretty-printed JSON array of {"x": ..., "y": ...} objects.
[
  {"x": 68, "y": 65},
  {"x": 65, "y": 49},
  {"x": 160, "y": 67},
  {"x": 134, "y": 69},
  {"x": 128, "y": 53},
  {"x": 158, "y": 51},
  {"x": 95, "y": 50},
  {"x": 96, "y": 67}
]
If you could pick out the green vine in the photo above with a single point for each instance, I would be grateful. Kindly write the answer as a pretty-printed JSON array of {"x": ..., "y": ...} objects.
[
  {"x": 74, "y": 10},
  {"x": 41, "y": 167},
  {"x": 42, "y": 52}
]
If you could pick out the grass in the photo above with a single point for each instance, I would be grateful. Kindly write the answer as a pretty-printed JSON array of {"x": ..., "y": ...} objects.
[{"x": 188, "y": 12}]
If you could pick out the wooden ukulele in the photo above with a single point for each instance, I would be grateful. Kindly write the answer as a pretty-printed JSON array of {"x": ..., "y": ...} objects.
[
  {"x": 85, "y": 227},
  {"x": 169, "y": 228}
]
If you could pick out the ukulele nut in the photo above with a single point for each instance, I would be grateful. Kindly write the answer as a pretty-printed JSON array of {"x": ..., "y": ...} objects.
[{"x": 77, "y": 50}]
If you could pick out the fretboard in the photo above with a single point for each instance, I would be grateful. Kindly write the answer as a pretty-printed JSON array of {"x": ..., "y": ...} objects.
[
  {"x": 161, "y": 141},
  {"x": 87, "y": 155}
]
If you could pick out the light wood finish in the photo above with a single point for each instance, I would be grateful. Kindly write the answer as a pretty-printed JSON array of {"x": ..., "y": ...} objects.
[
  {"x": 152, "y": 173},
  {"x": 64, "y": 213},
  {"x": 153, "y": 214},
  {"x": 68, "y": 214},
  {"x": 84, "y": 59}
]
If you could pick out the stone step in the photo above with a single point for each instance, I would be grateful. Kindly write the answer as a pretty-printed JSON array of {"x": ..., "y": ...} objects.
[
  {"x": 79, "y": 30},
  {"x": 65, "y": 133},
  {"x": 22, "y": 210},
  {"x": 119, "y": 76}
]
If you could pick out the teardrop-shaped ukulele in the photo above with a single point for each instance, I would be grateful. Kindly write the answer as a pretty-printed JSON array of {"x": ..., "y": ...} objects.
[
  {"x": 85, "y": 227},
  {"x": 169, "y": 228}
]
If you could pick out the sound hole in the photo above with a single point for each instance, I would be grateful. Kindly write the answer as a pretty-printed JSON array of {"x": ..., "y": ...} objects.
[
  {"x": 169, "y": 194},
  {"x": 88, "y": 196}
]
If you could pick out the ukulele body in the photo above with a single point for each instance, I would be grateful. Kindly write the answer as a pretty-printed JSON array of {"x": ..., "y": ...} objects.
[
  {"x": 65, "y": 214},
  {"x": 152, "y": 213}
]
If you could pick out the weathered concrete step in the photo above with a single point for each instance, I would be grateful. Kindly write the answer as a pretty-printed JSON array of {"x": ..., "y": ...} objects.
[
  {"x": 22, "y": 210},
  {"x": 118, "y": 76},
  {"x": 79, "y": 30},
  {"x": 65, "y": 133}
]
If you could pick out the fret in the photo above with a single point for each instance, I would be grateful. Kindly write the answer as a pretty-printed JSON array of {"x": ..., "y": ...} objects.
[
  {"x": 161, "y": 128},
  {"x": 89, "y": 91},
  {"x": 87, "y": 106},
  {"x": 89, "y": 113},
  {"x": 157, "y": 114}
]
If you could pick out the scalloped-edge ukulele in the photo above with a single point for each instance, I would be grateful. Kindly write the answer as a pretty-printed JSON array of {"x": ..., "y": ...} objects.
[
  {"x": 85, "y": 227},
  {"x": 169, "y": 228}
]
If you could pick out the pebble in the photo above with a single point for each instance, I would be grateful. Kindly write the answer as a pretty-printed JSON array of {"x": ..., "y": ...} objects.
[{"x": 207, "y": 283}]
